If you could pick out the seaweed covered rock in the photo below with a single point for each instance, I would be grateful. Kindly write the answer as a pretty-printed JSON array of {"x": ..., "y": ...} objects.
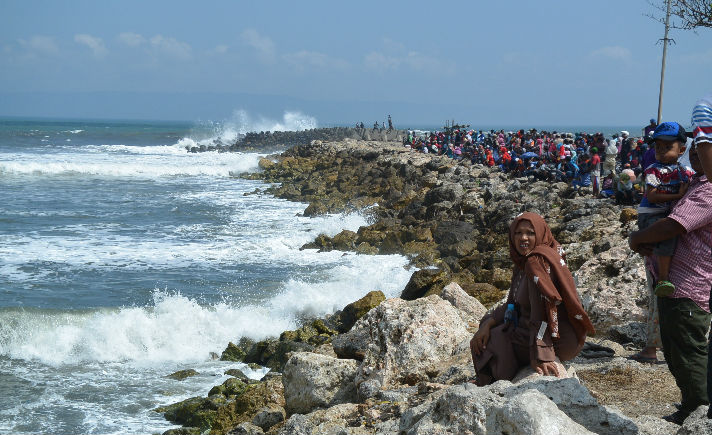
[
  {"x": 424, "y": 281},
  {"x": 182, "y": 374},
  {"x": 234, "y": 403},
  {"x": 233, "y": 352},
  {"x": 355, "y": 310}
]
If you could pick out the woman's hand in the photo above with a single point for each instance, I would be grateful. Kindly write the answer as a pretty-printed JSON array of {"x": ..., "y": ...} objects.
[
  {"x": 546, "y": 368},
  {"x": 479, "y": 342}
]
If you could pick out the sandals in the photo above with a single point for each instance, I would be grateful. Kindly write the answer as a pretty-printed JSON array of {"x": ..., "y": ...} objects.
[{"x": 664, "y": 289}]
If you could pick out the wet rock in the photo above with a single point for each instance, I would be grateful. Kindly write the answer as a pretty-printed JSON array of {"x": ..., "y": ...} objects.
[
  {"x": 231, "y": 387},
  {"x": 272, "y": 353},
  {"x": 344, "y": 241},
  {"x": 237, "y": 373},
  {"x": 246, "y": 428},
  {"x": 265, "y": 163},
  {"x": 355, "y": 310},
  {"x": 269, "y": 416},
  {"x": 367, "y": 249},
  {"x": 322, "y": 242},
  {"x": 423, "y": 281},
  {"x": 194, "y": 412},
  {"x": 233, "y": 352},
  {"x": 183, "y": 374},
  {"x": 184, "y": 431}
]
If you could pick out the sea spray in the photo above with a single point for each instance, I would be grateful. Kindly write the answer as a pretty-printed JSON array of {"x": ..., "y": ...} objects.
[{"x": 226, "y": 133}]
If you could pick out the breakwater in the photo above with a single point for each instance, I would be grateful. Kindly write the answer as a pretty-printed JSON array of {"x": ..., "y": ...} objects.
[
  {"x": 280, "y": 140},
  {"x": 402, "y": 365}
]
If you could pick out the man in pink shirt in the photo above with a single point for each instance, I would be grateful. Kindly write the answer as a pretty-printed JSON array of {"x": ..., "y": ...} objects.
[{"x": 685, "y": 315}]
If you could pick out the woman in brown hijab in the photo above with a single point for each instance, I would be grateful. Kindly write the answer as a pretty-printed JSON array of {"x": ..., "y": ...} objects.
[{"x": 543, "y": 318}]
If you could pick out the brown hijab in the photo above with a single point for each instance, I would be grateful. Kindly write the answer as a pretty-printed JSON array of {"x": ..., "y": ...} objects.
[{"x": 561, "y": 287}]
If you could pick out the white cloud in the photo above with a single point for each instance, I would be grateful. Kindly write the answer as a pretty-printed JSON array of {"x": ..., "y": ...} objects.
[
  {"x": 393, "y": 56},
  {"x": 615, "y": 52},
  {"x": 131, "y": 39},
  {"x": 411, "y": 60},
  {"x": 39, "y": 44},
  {"x": 304, "y": 59},
  {"x": 171, "y": 47},
  {"x": 220, "y": 49},
  {"x": 95, "y": 44},
  {"x": 262, "y": 44},
  {"x": 380, "y": 62}
]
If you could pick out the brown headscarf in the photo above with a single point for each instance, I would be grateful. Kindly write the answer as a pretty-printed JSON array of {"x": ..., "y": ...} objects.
[{"x": 561, "y": 286}]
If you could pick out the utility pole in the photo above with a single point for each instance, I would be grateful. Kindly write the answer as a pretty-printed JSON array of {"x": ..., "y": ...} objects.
[{"x": 662, "y": 70}]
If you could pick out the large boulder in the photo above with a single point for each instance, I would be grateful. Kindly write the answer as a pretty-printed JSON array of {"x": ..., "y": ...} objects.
[
  {"x": 574, "y": 400},
  {"x": 471, "y": 310},
  {"x": 613, "y": 288},
  {"x": 400, "y": 340},
  {"x": 466, "y": 409},
  {"x": 335, "y": 420},
  {"x": 316, "y": 381},
  {"x": 450, "y": 192},
  {"x": 424, "y": 281}
]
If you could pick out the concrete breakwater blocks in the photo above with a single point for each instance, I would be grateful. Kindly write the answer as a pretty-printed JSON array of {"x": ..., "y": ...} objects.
[{"x": 274, "y": 140}]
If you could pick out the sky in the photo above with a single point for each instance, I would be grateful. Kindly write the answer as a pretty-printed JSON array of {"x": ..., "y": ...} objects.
[{"x": 516, "y": 62}]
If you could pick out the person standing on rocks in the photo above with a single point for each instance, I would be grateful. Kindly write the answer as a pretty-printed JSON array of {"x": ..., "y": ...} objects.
[
  {"x": 543, "y": 321},
  {"x": 611, "y": 152},
  {"x": 685, "y": 315}
]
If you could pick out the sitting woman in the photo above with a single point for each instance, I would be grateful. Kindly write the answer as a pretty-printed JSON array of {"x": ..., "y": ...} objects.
[{"x": 543, "y": 320}]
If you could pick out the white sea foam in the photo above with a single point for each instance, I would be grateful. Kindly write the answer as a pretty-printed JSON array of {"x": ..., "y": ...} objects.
[
  {"x": 178, "y": 329},
  {"x": 132, "y": 149},
  {"x": 154, "y": 162},
  {"x": 272, "y": 234}
]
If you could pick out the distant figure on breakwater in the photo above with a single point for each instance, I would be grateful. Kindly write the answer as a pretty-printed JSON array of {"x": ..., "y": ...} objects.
[{"x": 390, "y": 123}]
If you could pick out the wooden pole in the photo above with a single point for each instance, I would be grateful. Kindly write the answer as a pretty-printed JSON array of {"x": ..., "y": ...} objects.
[{"x": 662, "y": 69}]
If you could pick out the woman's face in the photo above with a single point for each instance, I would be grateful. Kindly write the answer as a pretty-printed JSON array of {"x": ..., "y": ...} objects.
[{"x": 524, "y": 237}]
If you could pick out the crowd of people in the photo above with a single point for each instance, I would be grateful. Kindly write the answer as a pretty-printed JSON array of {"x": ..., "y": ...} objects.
[
  {"x": 610, "y": 167},
  {"x": 543, "y": 321}
]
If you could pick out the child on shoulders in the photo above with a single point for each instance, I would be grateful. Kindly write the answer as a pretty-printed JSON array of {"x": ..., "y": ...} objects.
[{"x": 665, "y": 181}]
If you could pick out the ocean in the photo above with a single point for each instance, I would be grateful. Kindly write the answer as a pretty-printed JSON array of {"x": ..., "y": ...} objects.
[{"x": 123, "y": 258}]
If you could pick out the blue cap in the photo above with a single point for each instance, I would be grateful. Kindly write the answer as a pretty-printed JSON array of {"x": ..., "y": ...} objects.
[{"x": 670, "y": 131}]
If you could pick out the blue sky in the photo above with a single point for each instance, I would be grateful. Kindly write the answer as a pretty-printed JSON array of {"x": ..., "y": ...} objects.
[{"x": 498, "y": 63}]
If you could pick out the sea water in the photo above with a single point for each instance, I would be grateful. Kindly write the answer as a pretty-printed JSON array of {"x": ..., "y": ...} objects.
[{"x": 124, "y": 258}]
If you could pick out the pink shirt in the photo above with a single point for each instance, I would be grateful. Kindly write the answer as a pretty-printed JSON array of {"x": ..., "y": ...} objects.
[{"x": 691, "y": 266}]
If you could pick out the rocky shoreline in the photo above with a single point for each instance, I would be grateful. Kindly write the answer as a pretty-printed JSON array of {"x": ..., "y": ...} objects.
[{"x": 402, "y": 365}]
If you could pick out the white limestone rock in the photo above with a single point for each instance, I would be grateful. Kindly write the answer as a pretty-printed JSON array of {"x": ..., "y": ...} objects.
[
  {"x": 471, "y": 310},
  {"x": 312, "y": 381},
  {"x": 402, "y": 339}
]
